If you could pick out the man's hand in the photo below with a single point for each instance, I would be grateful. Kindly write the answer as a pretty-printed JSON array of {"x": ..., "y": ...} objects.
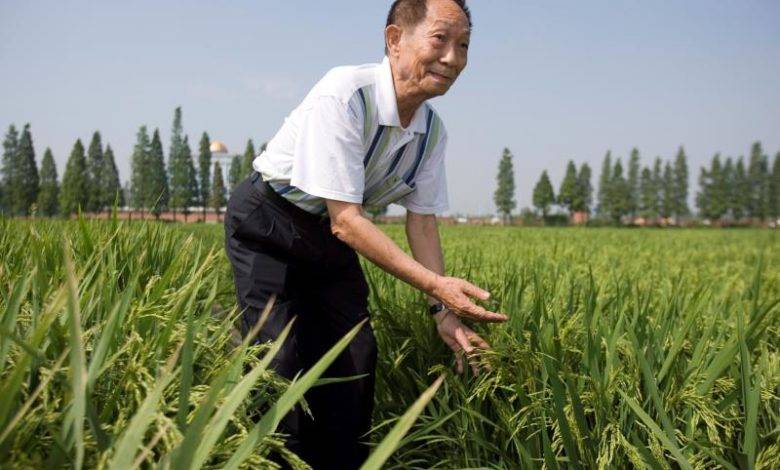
[
  {"x": 461, "y": 339},
  {"x": 454, "y": 293}
]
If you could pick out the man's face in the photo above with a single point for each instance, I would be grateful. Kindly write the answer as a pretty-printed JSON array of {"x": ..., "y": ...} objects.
[{"x": 432, "y": 54}]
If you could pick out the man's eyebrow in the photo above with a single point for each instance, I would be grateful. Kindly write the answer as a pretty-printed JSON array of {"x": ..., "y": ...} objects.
[{"x": 448, "y": 23}]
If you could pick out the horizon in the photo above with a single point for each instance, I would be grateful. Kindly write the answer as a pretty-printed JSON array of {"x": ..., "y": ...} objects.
[{"x": 565, "y": 82}]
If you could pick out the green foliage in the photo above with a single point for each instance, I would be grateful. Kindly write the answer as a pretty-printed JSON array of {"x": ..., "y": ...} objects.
[
  {"x": 110, "y": 187},
  {"x": 140, "y": 170},
  {"x": 48, "y": 196},
  {"x": 75, "y": 182},
  {"x": 740, "y": 194},
  {"x": 247, "y": 159},
  {"x": 759, "y": 180},
  {"x": 618, "y": 194},
  {"x": 22, "y": 187},
  {"x": 648, "y": 195},
  {"x": 567, "y": 195},
  {"x": 218, "y": 193},
  {"x": 633, "y": 183},
  {"x": 235, "y": 175},
  {"x": 183, "y": 178},
  {"x": 504, "y": 197},
  {"x": 204, "y": 170},
  {"x": 584, "y": 194},
  {"x": 713, "y": 195},
  {"x": 10, "y": 143},
  {"x": 543, "y": 196},
  {"x": 605, "y": 178},
  {"x": 680, "y": 185},
  {"x": 667, "y": 193},
  {"x": 156, "y": 192},
  {"x": 96, "y": 199},
  {"x": 774, "y": 189}
]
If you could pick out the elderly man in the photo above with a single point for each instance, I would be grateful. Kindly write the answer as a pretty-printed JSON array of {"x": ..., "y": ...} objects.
[{"x": 364, "y": 136}]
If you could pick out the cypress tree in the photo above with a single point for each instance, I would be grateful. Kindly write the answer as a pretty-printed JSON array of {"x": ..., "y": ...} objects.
[
  {"x": 727, "y": 181},
  {"x": 543, "y": 196},
  {"x": 704, "y": 195},
  {"x": 204, "y": 162},
  {"x": 192, "y": 178},
  {"x": 740, "y": 196},
  {"x": 25, "y": 187},
  {"x": 658, "y": 183},
  {"x": 774, "y": 189},
  {"x": 667, "y": 200},
  {"x": 249, "y": 157},
  {"x": 157, "y": 193},
  {"x": 234, "y": 173},
  {"x": 648, "y": 195},
  {"x": 139, "y": 180},
  {"x": 633, "y": 183},
  {"x": 75, "y": 182},
  {"x": 758, "y": 177},
  {"x": 217, "y": 199},
  {"x": 567, "y": 194},
  {"x": 504, "y": 197},
  {"x": 10, "y": 143},
  {"x": 618, "y": 193},
  {"x": 584, "y": 193},
  {"x": 48, "y": 196},
  {"x": 604, "y": 179},
  {"x": 680, "y": 176},
  {"x": 110, "y": 187},
  {"x": 96, "y": 197}
]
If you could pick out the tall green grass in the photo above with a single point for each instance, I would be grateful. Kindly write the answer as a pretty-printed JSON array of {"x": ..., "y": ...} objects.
[{"x": 117, "y": 350}]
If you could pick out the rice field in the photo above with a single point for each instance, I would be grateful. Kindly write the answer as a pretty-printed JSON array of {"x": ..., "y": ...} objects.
[{"x": 624, "y": 348}]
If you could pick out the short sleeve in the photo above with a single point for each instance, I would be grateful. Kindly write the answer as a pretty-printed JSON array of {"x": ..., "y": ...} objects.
[
  {"x": 430, "y": 191},
  {"x": 328, "y": 156}
]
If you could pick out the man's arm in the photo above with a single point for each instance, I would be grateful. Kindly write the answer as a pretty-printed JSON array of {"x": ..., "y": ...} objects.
[
  {"x": 422, "y": 233},
  {"x": 351, "y": 227}
]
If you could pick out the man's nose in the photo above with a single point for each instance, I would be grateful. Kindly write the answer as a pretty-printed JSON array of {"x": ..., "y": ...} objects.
[{"x": 454, "y": 58}]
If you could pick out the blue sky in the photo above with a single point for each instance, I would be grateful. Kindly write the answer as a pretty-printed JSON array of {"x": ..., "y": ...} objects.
[{"x": 551, "y": 80}]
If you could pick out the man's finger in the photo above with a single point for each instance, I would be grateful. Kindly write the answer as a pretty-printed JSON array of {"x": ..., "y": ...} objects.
[
  {"x": 473, "y": 337},
  {"x": 479, "y": 313},
  {"x": 464, "y": 342},
  {"x": 475, "y": 291},
  {"x": 459, "y": 361}
]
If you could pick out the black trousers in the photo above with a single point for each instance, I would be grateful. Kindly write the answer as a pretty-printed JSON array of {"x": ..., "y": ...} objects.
[{"x": 276, "y": 247}]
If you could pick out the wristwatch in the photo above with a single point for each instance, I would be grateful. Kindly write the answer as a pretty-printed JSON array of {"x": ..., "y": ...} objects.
[{"x": 436, "y": 308}]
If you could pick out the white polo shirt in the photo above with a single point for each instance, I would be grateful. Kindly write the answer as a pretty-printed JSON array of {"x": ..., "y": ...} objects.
[{"x": 345, "y": 142}]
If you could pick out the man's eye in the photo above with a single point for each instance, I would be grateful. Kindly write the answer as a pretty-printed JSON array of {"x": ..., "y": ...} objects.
[
  {"x": 465, "y": 45},
  {"x": 440, "y": 37}
]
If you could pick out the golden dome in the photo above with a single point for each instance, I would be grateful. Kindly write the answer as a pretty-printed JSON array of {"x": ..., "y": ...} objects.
[{"x": 218, "y": 147}]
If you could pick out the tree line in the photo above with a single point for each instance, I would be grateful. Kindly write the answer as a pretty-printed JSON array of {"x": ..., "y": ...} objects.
[
  {"x": 91, "y": 180},
  {"x": 735, "y": 189}
]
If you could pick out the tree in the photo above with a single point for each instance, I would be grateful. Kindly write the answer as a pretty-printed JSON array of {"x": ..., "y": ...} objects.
[
  {"x": 711, "y": 199},
  {"x": 584, "y": 194},
  {"x": 234, "y": 173},
  {"x": 48, "y": 196},
  {"x": 667, "y": 201},
  {"x": 109, "y": 185},
  {"x": 618, "y": 194},
  {"x": 204, "y": 163},
  {"x": 217, "y": 200},
  {"x": 758, "y": 178},
  {"x": 75, "y": 182},
  {"x": 633, "y": 183},
  {"x": 658, "y": 182},
  {"x": 567, "y": 193},
  {"x": 504, "y": 197},
  {"x": 183, "y": 182},
  {"x": 774, "y": 189},
  {"x": 139, "y": 179},
  {"x": 543, "y": 196},
  {"x": 24, "y": 187},
  {"x": 740, "y": 195},
  {"x": 604, "y": 179},
  {"x": 648, "y": 195},
  {"x": 249, "y": 157},
  {"x": 95, "y": 196},
  {"x": 10, "y": 143},
  {"x": 157, "y": 194},
  {"x": 680, "y": 187}
]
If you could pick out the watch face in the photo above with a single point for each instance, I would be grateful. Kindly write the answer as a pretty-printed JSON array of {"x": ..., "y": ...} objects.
[{"x": 435, "y": 308}]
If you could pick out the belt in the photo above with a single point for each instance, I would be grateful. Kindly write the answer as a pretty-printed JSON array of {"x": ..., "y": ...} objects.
[{"x": 296, "y": 213}]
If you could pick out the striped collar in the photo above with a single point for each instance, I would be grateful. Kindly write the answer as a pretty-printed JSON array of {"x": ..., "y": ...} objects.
[{"x": 387, "y": 106}]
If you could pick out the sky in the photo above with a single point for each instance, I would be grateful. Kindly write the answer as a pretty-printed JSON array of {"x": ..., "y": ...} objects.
[{"x": 550, "y": 80}]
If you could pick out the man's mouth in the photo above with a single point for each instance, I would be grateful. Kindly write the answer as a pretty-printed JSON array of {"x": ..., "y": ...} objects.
[{"x": 440, "y": 77}]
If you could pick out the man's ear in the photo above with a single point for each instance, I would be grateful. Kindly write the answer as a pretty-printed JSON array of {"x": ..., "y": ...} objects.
[{"x": 393, "y": 39}]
